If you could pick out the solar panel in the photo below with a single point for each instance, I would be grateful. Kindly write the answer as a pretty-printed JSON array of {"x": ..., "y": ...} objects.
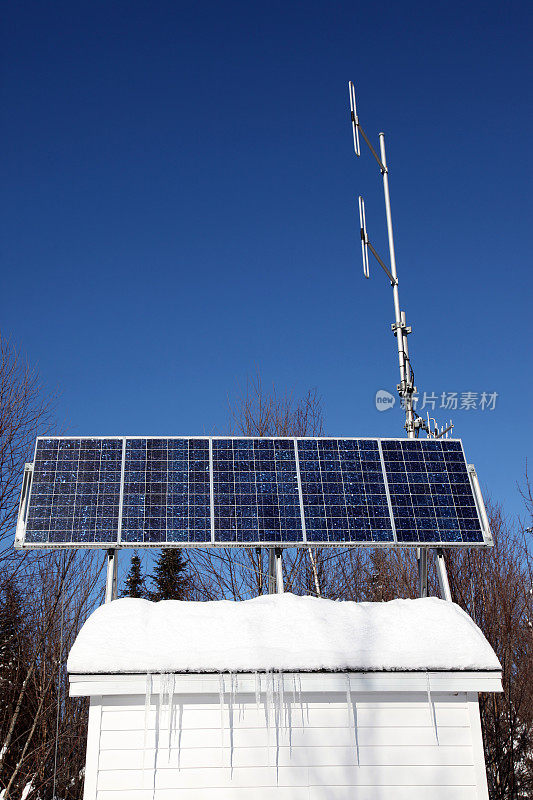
[
  {"x": 228, "y": 491},
  {"x": 344, "y": 491},
  {"x": 75, "y": 493},
  {"x": 431, "y": 496},
  {"x": 255, "y": 488},
  {"x": 166, "y": 492}
]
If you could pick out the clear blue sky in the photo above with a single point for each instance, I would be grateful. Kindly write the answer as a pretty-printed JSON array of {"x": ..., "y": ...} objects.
[{"x": 179, "y": 208}]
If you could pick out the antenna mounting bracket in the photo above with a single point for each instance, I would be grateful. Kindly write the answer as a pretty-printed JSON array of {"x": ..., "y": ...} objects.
[{"x": 400, "y": 326}]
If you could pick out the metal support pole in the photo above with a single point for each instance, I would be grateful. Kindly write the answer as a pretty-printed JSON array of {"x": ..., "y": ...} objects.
[
  {"x": 278, "y": 553},
  {"x": 260, "y": 570},
  {"x": 271, "y": 571},
  {"x": 442, "y": 574},
  {"x": 315, "y": 573},
  {"x": 399, "y": 329},
  {"x": 111, "y": 577},
  {"x": 115, "y": 576},
  {"x": 422, "y": 557},
  {"x": 23, "y": 504}
]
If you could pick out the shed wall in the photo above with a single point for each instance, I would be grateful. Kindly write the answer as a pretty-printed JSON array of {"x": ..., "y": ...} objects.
[{"x": 384, "y": 745}]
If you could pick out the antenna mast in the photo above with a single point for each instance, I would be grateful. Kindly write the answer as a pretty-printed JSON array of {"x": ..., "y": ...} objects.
[{"x": 406, "y": 387}]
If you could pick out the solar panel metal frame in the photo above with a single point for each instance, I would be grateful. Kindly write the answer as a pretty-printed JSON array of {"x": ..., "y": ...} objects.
[{"x": 27, "y": 486}]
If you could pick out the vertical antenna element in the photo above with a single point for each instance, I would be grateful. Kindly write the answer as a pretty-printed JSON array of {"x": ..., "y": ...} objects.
[
  {"x": 355, "y": 121},
  {"x": 364, "y": 237}
]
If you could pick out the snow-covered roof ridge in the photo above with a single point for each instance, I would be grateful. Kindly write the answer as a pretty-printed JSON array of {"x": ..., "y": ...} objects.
[{"x": 281, "y": 632}]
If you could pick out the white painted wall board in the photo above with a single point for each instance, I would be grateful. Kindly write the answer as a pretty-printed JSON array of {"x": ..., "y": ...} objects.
[
  {"x": 333, "y": 717},
  {"x": 186, "y": 758},
  {"x": 252, "y": 777},
  {"x": 93, "y": 748},
  {"x": 477, "y": 747},
  {"x": 397, "y": 753},
  {"x": 207, "y": 700},
  {"x": 313, "y": 793},
  {"x": 262, "y": 793},
  {"x": 386, "y": 793},
  {"x": 310, "y": 737},
  {"x": 82, "y": 685}
]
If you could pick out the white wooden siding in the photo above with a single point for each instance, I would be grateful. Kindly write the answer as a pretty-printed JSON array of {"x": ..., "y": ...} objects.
[{"x": 396, "y": 753}]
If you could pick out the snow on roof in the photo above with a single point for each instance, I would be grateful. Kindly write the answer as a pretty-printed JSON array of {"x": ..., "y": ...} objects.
[{"x": 281, "y": 632}]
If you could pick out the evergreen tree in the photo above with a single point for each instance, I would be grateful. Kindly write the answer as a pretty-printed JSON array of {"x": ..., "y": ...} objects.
[
  {"x": 135, "y": 580},
  {"x": 171, "y": 581},
  {"x": 11, "y": 633},
  {"x": 14, "y": 657}
]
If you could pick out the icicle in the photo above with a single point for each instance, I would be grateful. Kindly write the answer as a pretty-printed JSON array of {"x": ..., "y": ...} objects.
[
  {"x": 163, "y": 680},
  {"x": 289, "y": 715},
  {"x": 275, "y": 697},
  {"x": 257, "y": 690},
  {"x": 179, "y": 728},
  {"x": 233, "y": 683},
  {"x": 147, "y": 705},
  {"x": 171, "y": 686},
  {"x": 269, "y": 697},
  {"x": 160, "y": 713},
  {"x": 231, "y": 698},
  {"x": 161, "y": 697},
  {"x": 221, "y": 701},
  {"x": 300, "y": 698},
  {"x": 268, "y": 705},
  {"x": 282, "y": 698},
  {"x": 350, "y": 706},
  {"x": 166, "y": 698},
  {"x": 233, "y": 687},
  {"x": 277, "y": 704},
  {"x": 432, "y": 708}
]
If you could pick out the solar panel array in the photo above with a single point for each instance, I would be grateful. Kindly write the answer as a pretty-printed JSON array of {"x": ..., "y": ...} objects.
[{"x": 250, "y": 491}]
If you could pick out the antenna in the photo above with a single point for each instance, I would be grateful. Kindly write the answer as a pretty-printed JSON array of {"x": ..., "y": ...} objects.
[
  {"x": 355, "y": 121},
  {"x": 406, "y": 387},
  {"x": 366, "y": 245},
  {"x": 364, "y": 237}
]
